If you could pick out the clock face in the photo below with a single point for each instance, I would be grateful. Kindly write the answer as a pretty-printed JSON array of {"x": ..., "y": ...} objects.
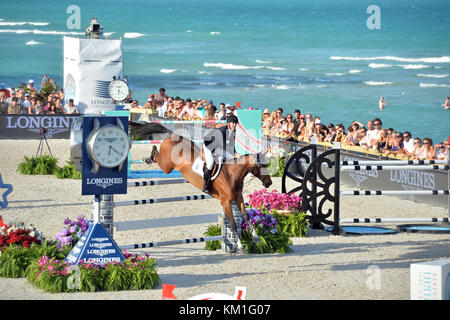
[
  {"x": 110, "y": 146},
  {"x": 118, "y": 90}
]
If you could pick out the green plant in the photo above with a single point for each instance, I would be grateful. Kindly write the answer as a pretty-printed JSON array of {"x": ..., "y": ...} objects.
[
  {"x": 16, "y": 259},
  {"x": 276, "y": 166},
  {"x": 213, "y": 230},
  {"x": 43, "y": 165},
  {"x": 68, "y": 172},
  {"x": 269, "y": 242},
  {"x": 294, "y": 224}
]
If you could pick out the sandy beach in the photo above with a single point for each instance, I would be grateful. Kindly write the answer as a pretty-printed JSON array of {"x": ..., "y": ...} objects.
[{"x": 321, "y": 266}]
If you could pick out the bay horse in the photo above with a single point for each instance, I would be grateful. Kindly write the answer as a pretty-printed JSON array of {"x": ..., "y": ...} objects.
[{"x": 179, "y": 153}]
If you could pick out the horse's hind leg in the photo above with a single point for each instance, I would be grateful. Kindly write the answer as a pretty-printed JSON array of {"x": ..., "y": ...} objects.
[{"x": 153, "y": 156}]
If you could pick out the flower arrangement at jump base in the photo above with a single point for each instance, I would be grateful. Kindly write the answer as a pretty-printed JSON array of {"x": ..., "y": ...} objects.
[
  {"x": 285, "y": 207},
  {"x": 26, "y": 253},
  {"x": 275, "y": 217},
  {"x": 72, "y": 231},
  {"x": 136, "y": 272},
  {"x": 19, "y": 234}
]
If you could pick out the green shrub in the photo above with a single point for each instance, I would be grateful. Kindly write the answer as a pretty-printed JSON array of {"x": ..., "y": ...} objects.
[
  {"x": 43, "y": 165},
  {"x": 213, "y": 230},
  {"x": 68, "y": 172},
  {"x": 16, "y": 259},
  {"x": 294, "y": 224}
]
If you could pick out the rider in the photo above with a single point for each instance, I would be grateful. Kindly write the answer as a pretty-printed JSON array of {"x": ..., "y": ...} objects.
[{"x": 219, "y": 142}]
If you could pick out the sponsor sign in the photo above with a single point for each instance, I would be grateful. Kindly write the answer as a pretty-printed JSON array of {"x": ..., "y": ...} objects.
[
  {"x": 106, "y": 180},
  {"x": 95, "y": 246},
  {"x": 248, "y": 132},
  {"x": 89, "y": 66},
  {"x": 31, "y": 126}
]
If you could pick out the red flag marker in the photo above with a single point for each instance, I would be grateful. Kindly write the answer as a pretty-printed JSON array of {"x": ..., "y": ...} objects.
[{"x": 167, "y": 291}]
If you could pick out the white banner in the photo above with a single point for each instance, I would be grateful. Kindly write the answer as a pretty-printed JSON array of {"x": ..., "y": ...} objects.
[{"x": 89, "y": 66}]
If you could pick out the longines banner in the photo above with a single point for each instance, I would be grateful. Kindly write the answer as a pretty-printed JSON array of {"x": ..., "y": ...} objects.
[{"x": 34, "y": 126}]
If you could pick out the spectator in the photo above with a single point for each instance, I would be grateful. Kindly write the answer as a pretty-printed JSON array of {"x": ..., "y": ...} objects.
[
  {"x": 44, "y": 81},
  {"x": 12, "y": 94},
  {"x": 408, "y": 143},
  {"x": 397, "y": 144},
  {"x": 289, "y": 126},
  {"x": 188, "y": 109},
  {"x": 70, "y": 108},
  {"x": 446, "y": 104},
  {"x": 59, "y": 109},
  {"x": 32, "y": 108},
  {"x": 159, "y": 98},
  {"x": 3, "y": 89},
  {"x": 221, "y": 114},
  {"x": 428, "y": 152},
  {"x": 381, "y": 103},
  {"x": 15, "y": 107},
  {"x": 442, "y": 150},
  {"x": 301, "y": 128},
  {"x": 377, "y": 133},
  {"x": 48, "y": 106},
  {"x": 31, "y": 85},
  {"x": 382, "y": 141},
  {"x": 417, "y": 148},
  {"x": 331, "y": 134},
  {"x": 3, "y": 104}
]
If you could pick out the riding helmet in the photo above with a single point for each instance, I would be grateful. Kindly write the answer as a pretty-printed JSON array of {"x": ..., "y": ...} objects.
[{"x": 232, "y": 118}]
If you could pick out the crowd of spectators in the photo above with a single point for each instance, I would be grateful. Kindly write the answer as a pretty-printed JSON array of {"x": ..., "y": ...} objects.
[
  {"x": 372, "y": 136},
  {"x": 27, "y": 99},
  {"x": 186, "y": 109}
]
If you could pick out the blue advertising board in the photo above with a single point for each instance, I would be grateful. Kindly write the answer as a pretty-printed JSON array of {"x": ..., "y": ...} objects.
[{"x": 105, "y": 180}]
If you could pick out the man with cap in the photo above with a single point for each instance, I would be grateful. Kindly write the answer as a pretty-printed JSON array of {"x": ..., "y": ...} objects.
[
  {"x": 31, "y": 85},
  {"x": 15, "y": 107},
  {"x": 221, "y": 143}
]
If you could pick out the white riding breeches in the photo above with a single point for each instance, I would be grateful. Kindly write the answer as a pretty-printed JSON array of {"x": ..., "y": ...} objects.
[{"x": 209, "y": 159}]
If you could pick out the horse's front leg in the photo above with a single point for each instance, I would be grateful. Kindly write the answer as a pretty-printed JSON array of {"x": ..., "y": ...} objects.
[
  {"x": 228, "y": 210},
  {"x": 241, "y": 205}
]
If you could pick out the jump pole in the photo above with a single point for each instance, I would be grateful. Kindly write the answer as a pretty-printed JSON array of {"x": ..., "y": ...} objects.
[{"x": 395, "y": 220}]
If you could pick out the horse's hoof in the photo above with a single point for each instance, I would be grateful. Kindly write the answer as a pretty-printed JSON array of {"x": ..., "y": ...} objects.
[{"x": 148, "y": 160}]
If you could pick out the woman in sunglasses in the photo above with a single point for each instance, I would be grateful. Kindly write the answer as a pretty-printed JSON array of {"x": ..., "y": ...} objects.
[{"x": 428, "y": 152}]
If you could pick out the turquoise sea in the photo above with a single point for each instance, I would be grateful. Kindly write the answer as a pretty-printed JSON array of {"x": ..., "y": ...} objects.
[{"x": 320, "y": 57}]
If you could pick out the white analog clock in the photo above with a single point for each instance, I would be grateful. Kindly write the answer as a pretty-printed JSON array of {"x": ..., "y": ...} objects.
[
  {"x": 108, "y": 146},
  {"x": 119, "y": 90}
]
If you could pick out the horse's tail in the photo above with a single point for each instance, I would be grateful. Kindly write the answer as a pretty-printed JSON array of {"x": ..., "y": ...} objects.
[{"x": 144, "y": 129}]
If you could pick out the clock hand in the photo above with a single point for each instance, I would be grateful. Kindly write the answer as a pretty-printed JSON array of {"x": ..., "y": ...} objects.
[
  {"x": 109, "y": 151},
  {"x": 111, "y": 148}
]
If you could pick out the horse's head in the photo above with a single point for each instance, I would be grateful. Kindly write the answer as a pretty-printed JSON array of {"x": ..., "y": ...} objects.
[{"x": 260, "y": 170}]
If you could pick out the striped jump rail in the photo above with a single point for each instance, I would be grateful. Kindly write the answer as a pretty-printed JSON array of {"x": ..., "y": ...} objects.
[
  {"x": 161, "y": 200},
  {"x": 158, "y": 141},
  {"x": 167, "y": 222},
  {"x": 394, "y": 220},
  {"x": 394, "y": 192},
  {"x": 392, "y": 162},
  {"x": 381, "y": 167},
  {"x": 186, "y": 121},
  {"x": 155, "y": 182},
  {"x": 169, "y": 243}
]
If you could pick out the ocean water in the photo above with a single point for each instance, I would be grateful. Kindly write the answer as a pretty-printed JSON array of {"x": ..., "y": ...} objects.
[{"x": 320, "y": 57}]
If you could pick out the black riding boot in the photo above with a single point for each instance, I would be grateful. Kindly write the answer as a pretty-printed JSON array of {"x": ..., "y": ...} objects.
[{"x": 207, "y": 178}]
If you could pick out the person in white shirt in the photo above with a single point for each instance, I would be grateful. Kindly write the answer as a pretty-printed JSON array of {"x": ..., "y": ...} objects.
[
  {"x": 408, "y": 143},
  {"x": 70, "y": 108}
]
